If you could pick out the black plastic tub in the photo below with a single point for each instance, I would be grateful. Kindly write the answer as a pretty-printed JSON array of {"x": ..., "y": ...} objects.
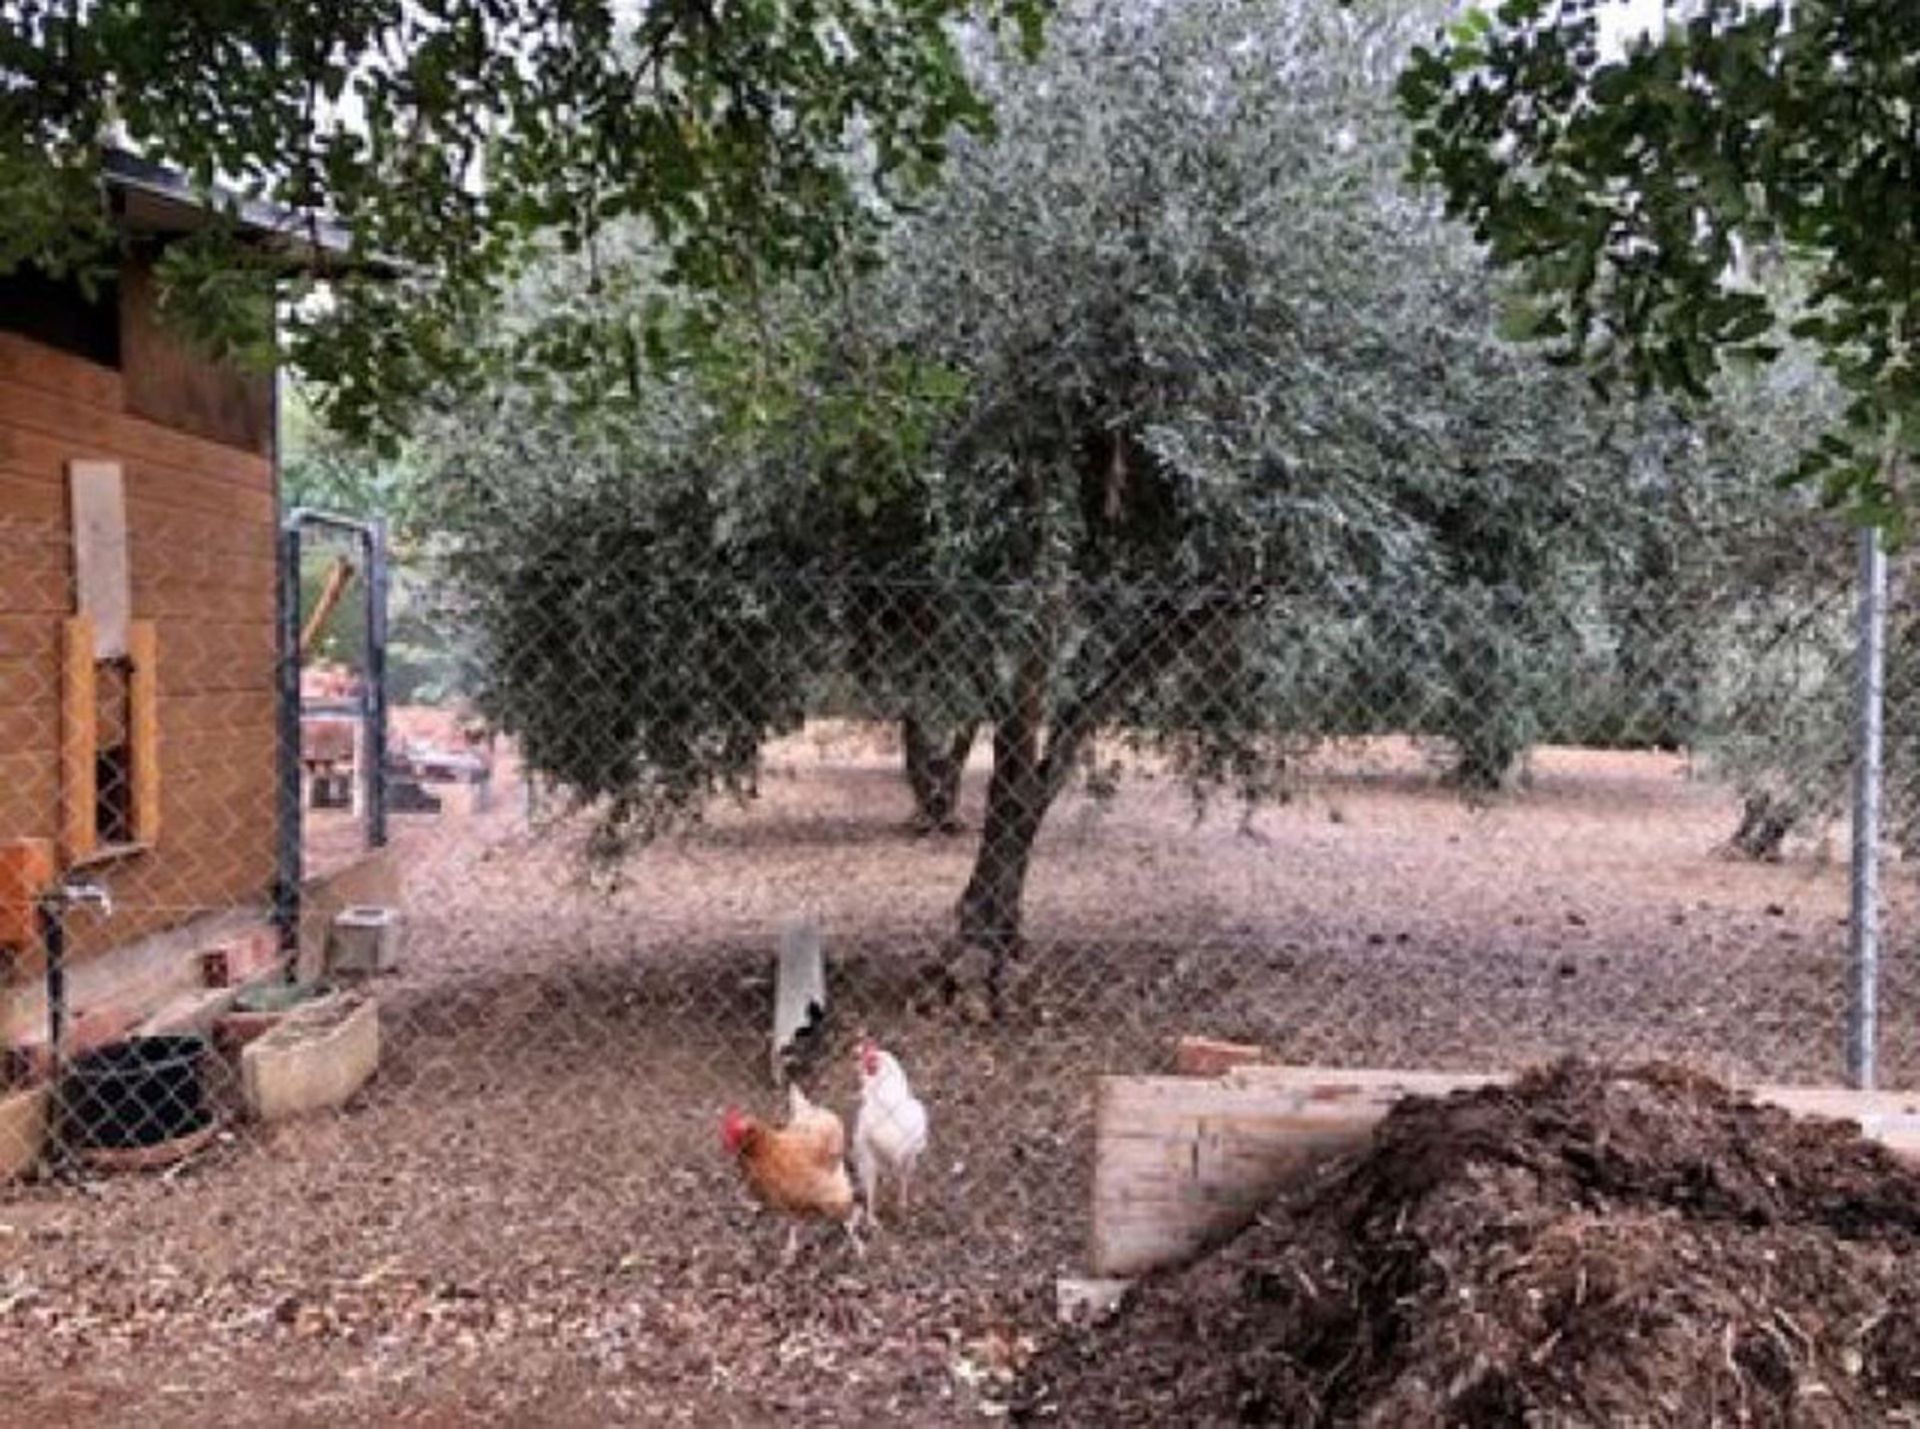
[{"x": 141, "y": 1092}]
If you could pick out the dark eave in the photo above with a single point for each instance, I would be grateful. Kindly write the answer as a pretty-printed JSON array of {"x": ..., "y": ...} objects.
[{"x": 149, "y": 198}]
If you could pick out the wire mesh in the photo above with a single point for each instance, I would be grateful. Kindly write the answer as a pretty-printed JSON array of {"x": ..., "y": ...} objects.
[{"x": 1042, "y": 830}]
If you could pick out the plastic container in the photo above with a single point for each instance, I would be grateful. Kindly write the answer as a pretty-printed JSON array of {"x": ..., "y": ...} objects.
[{"x": 142, "y": 1092}]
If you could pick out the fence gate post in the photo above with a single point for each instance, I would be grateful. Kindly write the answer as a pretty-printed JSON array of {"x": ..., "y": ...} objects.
[
  {"x": 287, "y": 804},
  {"x": 373, "y": 695},
  {"x": 1863, "y": 990}
]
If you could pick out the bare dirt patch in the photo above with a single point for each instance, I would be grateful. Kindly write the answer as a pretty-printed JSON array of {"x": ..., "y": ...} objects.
[{"x": 526, "y": 1218}]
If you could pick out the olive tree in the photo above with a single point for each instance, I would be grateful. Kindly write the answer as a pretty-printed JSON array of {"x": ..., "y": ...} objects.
[{"x": 1169, "y": 413}]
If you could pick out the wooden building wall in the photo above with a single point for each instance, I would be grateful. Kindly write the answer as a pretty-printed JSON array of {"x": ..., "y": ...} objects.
[{"x": 201, "y": 520}]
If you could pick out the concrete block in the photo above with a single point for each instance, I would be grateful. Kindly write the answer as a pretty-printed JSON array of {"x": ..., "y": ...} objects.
[
  {"x": 259, "y": 1009},
  {"x": 318, "y": 1057},
  {"x": 364, "y": 939}
]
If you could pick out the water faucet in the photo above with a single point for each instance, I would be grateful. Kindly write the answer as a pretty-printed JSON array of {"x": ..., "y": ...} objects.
[{"x": 76, "y": 892}]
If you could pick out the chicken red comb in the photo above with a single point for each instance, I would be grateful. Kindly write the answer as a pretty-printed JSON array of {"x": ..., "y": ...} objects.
[
  {"x": 869, "y": 1056},
  {"x": 733, "y": 1128}
]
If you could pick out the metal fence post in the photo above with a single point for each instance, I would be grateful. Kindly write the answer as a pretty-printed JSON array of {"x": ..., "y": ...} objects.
[
  {"x": 287, "y": 862},
  {"x": 374, "y": 686},
  {"x": 1863, "y": 991}
]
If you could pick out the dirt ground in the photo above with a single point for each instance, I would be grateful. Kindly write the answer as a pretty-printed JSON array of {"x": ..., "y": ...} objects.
[{"x": 527, "y": 1219}]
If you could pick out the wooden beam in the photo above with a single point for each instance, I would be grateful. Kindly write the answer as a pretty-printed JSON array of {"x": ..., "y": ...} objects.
[
  {"x": 143, "y": 722},
  {"x": 339, "y": 576},
  {"x": 102, "y": 579},
  {"x": 1209, "y": 1057},
  {"x": 1181, "y": 1163},
  {"x": 79, "y": 812}
]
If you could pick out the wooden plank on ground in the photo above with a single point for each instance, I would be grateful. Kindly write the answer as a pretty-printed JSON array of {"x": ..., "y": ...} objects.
[
  {"x": 1181, "y": 1163},
  {"x": 1209, "y": 1057}
]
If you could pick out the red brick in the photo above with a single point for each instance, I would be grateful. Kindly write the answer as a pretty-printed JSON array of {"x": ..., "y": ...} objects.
[
  {"x": 1207, "y": 1057},
  {"x": 251, "y": 955}
]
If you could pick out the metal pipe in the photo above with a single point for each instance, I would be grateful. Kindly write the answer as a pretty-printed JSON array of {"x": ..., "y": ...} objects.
[
  {"x": 1863, "y": 991},
  {"x": 298, "y": 517},
  {"x": 287, "y": 852},
  {"x": 52, "y": 909},
  {"x": 374, "y": 693}
]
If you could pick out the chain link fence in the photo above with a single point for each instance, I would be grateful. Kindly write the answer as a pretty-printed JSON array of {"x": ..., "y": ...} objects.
[{"x": 1039, "y": 830}]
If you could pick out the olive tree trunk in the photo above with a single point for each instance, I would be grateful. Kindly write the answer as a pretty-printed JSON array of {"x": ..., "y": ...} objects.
[
  {"x": 1035, "y": 750},
  {"x": 934, "y": 768},
  {"x": 1017, "y": 800}
]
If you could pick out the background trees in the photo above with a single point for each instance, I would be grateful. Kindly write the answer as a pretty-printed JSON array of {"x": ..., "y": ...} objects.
[
  {"x": 1169, "y": 412},
  {"x": 1736, "y": 190}
]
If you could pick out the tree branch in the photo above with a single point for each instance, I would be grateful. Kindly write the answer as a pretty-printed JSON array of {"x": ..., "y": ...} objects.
[{"x": 1156, "y": 646}]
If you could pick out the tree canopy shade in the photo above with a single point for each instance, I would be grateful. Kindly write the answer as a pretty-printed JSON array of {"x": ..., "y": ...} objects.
[
  {"x": 457, "y": 137},
  {"x": 1749, "y": 172}
]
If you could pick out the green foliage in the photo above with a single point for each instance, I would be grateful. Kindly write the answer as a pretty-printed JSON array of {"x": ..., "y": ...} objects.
[
  {"x": 1747, "y": 176},
  {"x": 459, "y": 138},
  {"x": 1170, "y": 393},
  {"x": 428, "y": 659}
]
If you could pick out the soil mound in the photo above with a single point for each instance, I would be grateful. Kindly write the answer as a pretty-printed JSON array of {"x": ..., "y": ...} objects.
[{"x": 1585, "y": 1246}]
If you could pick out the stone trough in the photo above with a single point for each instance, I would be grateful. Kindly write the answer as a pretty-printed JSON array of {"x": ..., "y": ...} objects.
[{"x": 314, "y": 1059}]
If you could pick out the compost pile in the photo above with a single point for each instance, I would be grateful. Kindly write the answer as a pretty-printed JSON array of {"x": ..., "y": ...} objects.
[{"x": 1585, "y": 1246}]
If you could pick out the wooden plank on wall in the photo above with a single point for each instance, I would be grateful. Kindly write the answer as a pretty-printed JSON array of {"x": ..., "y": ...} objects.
[
  {"x": 102, "y": 582},
  {"x": 29, "y": 723},
  {"x": 30, "y": 793},
  {"x": 37, "y": 456},
  {"x": 26, "y": 501},
  {"x": 78, "y": 712},
  {"x": 28, "y": 638},
  {"x": 217, "y": 655},
  {"x": 143, "y": 721},
  {"x": 1181, "y": 1163},
  {"x": 34, "y": 364},
  {"x": 97, "y": 430},
  {"x": 177, "y": 386},
  {"x": 34, "y": 576}
]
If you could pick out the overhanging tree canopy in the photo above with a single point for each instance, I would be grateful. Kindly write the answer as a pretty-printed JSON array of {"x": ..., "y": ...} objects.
[
  {"x": 1749, "y": 172},
  {"x": 456, "y": 137}
]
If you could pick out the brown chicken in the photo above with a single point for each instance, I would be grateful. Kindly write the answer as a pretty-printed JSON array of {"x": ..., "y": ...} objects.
[{"x": 799, "y": 1169}]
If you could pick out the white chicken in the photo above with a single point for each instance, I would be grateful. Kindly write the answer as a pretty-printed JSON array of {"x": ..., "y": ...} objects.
[{"x": 890, "y": 1132}]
